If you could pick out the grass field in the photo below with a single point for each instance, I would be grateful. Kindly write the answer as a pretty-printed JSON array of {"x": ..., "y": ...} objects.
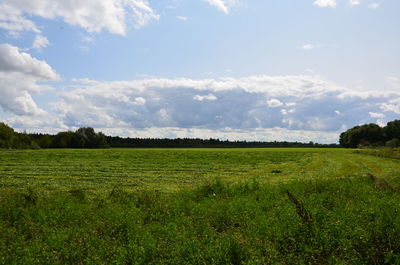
[
  {"x": 174, "y": 169},
  {"x": 199, "y": 206}
]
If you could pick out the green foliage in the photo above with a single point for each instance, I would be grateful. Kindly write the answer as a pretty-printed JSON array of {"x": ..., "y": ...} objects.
[
  {"x": 353, "y": 223},
  {"x": 393, "y": 143},
  {"x": 11, "y": 139},
  {"x": 198, "y": 206},
  {"x": 392, "y": 130},
  {"x": 84, "y": 137},
  {"x": 365, "y": 135},
  {"x": 372, "y": 135},
  {"x": 6, "y": 135}
]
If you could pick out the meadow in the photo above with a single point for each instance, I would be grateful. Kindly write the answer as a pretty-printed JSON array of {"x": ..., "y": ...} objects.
[{"x": 199, "y": 206}]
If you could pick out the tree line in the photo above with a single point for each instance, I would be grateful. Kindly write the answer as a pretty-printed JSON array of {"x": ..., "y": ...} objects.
[
  {"x": 86, "y": 137},
  {"x": 116, "y": 141},
  {"x": 372, "y": 135}
]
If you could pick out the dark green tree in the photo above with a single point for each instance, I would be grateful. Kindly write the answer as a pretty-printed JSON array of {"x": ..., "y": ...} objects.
[
  {"x": 392, "y": 130},
  {"x": 364, "y": 135},
  {"x": 6, "y": 135},
  {"x": 63, "y": 140}
]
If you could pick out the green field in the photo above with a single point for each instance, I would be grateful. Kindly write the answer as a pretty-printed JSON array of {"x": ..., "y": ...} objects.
[
  {"x": 174, "y": 169},
  {"x": 199, "y": 206}
]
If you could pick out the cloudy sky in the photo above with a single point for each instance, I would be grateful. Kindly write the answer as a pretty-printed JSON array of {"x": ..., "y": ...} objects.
[{"x": 301, "y": 70}]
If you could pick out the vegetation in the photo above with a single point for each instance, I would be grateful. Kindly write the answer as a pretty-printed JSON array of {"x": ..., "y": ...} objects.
[
  {"x": 86, "y": 137},
  {"x": 11, "y": 139},
  {"x": 198, "y": 206},
  {"x": 116, "y": 141},
  {"x": 174, "y": 169},
  {"x": 382, "y": 152},
  {"x": 368, "y": 135},
  {"x": 83, "y": 138},
  {"x": 346, "y": 221},
  {"x": 372, "y": 135}
]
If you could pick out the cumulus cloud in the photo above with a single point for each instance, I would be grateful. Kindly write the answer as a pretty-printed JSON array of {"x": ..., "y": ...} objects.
[
  {"x": 21, "y": 75},
  {"x": 92, "y": 15},
  {"x": 274, "y": 103},
  {"x": 12, "y": 20},
  {"x": 391, "y": 107},
  {"x": 12, "y": 60},
  {"x": 297, "y": 108},
  {"x": 325, "y": 3},
  {"x": 223, "y": 5},
  {"x": 233, "y": 107},
  {"x": 40, "y": 42}
]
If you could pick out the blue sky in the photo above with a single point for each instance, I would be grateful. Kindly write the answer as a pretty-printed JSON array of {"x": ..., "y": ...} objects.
[{"x": 238, "y": 69}]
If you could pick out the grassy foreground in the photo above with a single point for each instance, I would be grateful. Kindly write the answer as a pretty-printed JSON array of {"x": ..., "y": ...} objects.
[{"x": 255, "y": 206}]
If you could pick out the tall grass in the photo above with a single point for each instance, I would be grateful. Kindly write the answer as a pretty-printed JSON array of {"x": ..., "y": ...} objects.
[{"x": 340, "y": 221}]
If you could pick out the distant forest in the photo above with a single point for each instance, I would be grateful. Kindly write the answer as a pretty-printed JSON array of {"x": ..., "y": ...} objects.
[
  {"x": 368, "y": 135},
  {"x": 86, "y": 137}
]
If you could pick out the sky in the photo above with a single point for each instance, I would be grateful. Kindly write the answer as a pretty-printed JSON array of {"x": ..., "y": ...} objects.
[{"x": 303, "y": 70}]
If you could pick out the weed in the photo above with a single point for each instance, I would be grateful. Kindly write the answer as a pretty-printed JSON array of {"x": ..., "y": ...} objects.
[
  {"x": 30, "y": 197},
  {"x": 302, "y": 212}
]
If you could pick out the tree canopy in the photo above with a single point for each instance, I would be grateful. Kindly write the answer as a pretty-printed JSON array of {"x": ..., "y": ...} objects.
[{"x": 372, "y": 135}]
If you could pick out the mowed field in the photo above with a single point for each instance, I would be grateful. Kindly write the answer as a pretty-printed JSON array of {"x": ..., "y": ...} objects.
[
  {"x": 175, "y": 169},
  {"x": 199, "y": 206}
]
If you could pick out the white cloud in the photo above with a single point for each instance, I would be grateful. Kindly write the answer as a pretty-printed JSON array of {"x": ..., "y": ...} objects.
[
  {"x": 210, "y": 97},
  {"x": 40, "y": 42},
  {"x": 373, "y": 5},
  {"x": 376, "y": 115},
  {"x": 274, "y": 103},
  {"x": 92, "y": 15},
  {"x": 325, "y": 3},
  {"x": 244, "y": 105},
  {"x": 287, "y": 112},
  {"x": 388, "y": 107},
  {"x": 354, "y": 2},
  {"x": 12, "y": 20},
  {"x": 301, "y": 108},
  {"x": 308, "y": 47},
  {"x": 12, "y": 60},
  {"x": 223, "y": 5},
  {"x": 20, "y": 75},
  {"x": 138, "y": 101}
]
